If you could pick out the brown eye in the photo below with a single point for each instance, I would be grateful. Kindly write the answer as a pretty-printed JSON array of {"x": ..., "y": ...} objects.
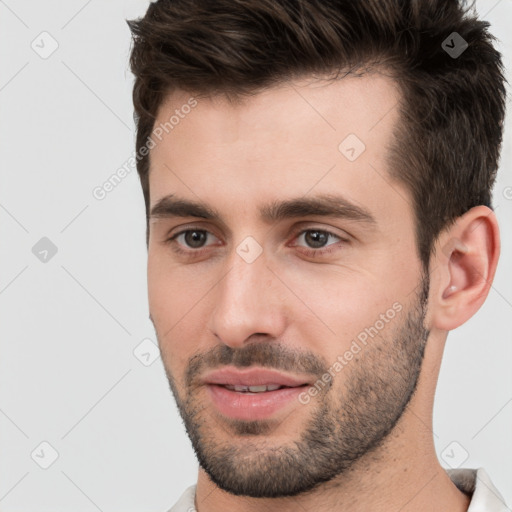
[
  {"x": 316, "y": 238},
  {"x": 316, "y": 242},
  {"x": 194, "y": 238},
  {"x": 190, "y": 242}
]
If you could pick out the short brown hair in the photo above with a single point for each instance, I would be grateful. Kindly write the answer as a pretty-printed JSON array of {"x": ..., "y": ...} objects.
[{"x": 447, "y": 144}]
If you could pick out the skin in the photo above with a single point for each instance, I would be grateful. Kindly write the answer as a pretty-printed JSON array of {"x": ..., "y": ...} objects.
[{"x": 298, "y": 312}]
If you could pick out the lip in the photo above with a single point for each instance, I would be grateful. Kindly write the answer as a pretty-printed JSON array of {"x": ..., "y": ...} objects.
[
  {"x": 252, "y": 406},
  {"x": 252, "y": 377}
]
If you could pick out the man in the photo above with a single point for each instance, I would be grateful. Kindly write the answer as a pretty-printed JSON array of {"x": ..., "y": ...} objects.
[{"x": 317, "y": 177}]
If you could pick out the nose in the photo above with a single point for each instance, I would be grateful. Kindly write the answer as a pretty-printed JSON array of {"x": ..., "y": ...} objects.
[{"x": 249, "y": 301}]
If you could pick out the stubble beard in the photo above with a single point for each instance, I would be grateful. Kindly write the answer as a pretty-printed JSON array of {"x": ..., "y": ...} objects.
[{"x": 346, "y": 422}]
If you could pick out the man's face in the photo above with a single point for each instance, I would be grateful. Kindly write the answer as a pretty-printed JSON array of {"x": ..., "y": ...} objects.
[{"x": 334, "y": 302}]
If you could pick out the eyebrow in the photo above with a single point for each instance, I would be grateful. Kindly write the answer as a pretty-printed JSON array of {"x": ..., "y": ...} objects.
[{"x": 326, "y": 205}]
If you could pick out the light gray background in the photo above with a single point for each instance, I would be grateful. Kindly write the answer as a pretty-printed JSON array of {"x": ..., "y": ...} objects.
[{"x": 70, "y": 325}]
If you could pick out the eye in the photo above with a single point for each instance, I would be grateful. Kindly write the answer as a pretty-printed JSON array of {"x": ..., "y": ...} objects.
[
  {"x": 192, "y": 238},
  {"x": 316, "y": 240}
]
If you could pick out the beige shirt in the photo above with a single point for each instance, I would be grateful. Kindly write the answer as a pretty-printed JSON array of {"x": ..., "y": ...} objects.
[{"x": 475, "y": 482}]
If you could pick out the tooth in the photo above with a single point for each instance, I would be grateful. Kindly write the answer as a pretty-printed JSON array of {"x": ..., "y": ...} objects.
[
  {"x": 257, "y": 389},
  {"x": 253, "y": 389}
]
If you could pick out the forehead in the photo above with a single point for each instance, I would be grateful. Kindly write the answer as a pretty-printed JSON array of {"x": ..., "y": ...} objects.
[
  {"x": 307, "y": 135},
  {"x": 331, "y": 109}
]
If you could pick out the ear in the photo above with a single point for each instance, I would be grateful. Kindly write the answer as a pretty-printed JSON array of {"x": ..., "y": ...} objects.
[{"x": 463, "y": 266}]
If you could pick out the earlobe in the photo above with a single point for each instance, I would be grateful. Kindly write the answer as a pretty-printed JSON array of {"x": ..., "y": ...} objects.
[{"x": 465, "y": 262}]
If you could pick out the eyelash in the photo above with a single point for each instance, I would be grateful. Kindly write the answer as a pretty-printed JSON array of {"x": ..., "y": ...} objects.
[{"x": 307, "y": 252}]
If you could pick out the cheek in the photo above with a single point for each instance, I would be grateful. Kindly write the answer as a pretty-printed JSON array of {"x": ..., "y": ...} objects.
[
  {"x": 166, "y": 304},
  {"x": 339, "y": 305},
  {"x": 168, "y": 288},
  {"x": 160, "y": 290},
  {"x": 175, "y": 301}
]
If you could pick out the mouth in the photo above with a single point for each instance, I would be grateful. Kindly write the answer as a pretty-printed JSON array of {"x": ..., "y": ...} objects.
[
  {"x": 253, "y": 394},
  {"x": 253, "y": 390},
  {"x": 253, "y": 379}
]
